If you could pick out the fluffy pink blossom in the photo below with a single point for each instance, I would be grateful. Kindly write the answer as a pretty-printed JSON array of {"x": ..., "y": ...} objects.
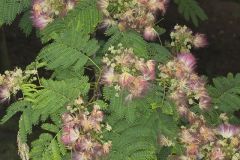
[
  {"x": 84, "y": 144},
  {"x": 162, "y": 5},
  {"x": 82, "y": 132},
  {"x": 70, "y": 137},
  {"x": 97, "y": 150},
  {"x": 195, "y": 82},
  {"x": 41, "y": 21},
  {"x": 81, "y": 156},
  {"x": 204, "y": 101},
  {"x": 187, "y": 137},
  {"x": 44, "y": 11},
  {"x": 192, "y": 150},
  {"x": 95, "y": 119},
  {"x": 150, "y": 34},
  {"x": 200, "y": 40},
  {"x": 96, "y": 114},
  {"x": 217, "y": 154},
  {"x": 107, "y": 147},
  {"x": 207, "y": 134},
  {"x": 147, "y": 69},
  {"x": 125, "y": 59},
  {"x": 125, "y": 79},
  {"x": 85, "y": 123},
  {"x": 66, "y": 118},
  {"x": 108, "y": 76},
  {"x": 107, "y": 22},
  {"x": 139, "y": 86},
  {"x": 151, "y": 64},
  {"x": 188, "y": 60},
  {"x": 155, "y": 5},
  {"x": 228, "y": 130},
  {"x": 179, "y": 97}
]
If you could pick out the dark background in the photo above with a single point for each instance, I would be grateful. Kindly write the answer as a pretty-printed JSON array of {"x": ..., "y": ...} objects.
[{"x": 220, "y": 57}]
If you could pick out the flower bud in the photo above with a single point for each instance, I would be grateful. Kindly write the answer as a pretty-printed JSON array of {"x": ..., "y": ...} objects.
[{"x": 150, "y": 34}]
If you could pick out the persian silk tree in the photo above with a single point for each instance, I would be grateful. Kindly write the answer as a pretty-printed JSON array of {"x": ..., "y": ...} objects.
[{"x": 124, "y": 96}]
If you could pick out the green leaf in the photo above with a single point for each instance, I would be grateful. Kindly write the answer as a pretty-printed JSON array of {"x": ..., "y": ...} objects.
[
  {"x": 18, "y": 106},
  {"x": 26, "y": 24},
  {"x": 129, "y": 39},
  {"x": 160, "y": 30},
  {"x": 50, "y": 127},
  {"x": 57, "y": 94},
  {"x": 25, "y": 125},
  {"x": 55, "y": 150},
  {"x": 225, "y": 93},
  {"x": 85, "y": 16},
  {"x": 158, "y": 52},
  {"x": 131, "y": 140},
  {"x": 71, "y": 49},
  {"x": 9, "y": 9},
  {"x": 191, "y": 10}
]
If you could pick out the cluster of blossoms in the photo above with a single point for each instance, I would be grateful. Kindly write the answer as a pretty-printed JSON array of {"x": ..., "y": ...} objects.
[
  {"x": 202, "y": 142},
  {"x": 126, "y": 71},
  {"x": 183, "y": 39},
  {"x": 11, "y": 81},
  {"x": 44, "y": 11},
  {"x": 82, "y": 131},
  {"x": 139, "y": 15},
  {"x": 185, "y": 86}
]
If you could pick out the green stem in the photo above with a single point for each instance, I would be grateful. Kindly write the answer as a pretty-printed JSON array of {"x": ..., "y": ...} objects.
[{"x": 94, "y": 64}]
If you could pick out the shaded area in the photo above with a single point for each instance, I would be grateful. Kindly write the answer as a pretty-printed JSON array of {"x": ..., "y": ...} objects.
[
  {"x": 219, "y": 58},
  {"x": 21, "y": 51},
  {"x": 223, "y": 31}
]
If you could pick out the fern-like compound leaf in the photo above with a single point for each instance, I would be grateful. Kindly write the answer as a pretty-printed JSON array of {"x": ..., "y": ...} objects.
[
  {"x": 129, "y": 39},
  {"x": 46, "y": 147},
  {"x": 225, "y": 93},
  {"x": 85, "y": 16},
  {"x": 26, "y": 24},
  {"x": 191, "y": 10},
  {"x": 18, "y": 106},
  {"x": 25, "y": 124},
  {"x": 57, "y": 94},
  {"x": 71, "y": 49},
  {"x": 9, "y": 9}
]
